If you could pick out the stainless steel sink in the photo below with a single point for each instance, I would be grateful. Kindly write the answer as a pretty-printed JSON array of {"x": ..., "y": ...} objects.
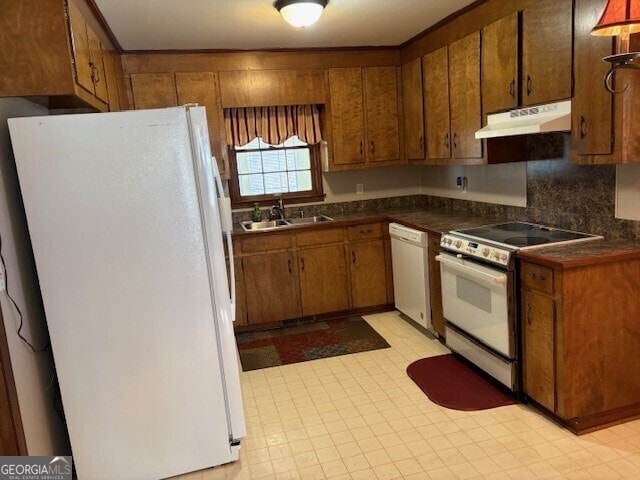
[
  {"x": 275, "y": 224},
  {"x": 261, "y": 226},
  {"x": 305, "y": 220}
]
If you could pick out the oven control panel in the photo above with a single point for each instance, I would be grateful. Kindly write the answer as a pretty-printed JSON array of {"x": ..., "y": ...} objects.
[{"x": 471, "y": 248}]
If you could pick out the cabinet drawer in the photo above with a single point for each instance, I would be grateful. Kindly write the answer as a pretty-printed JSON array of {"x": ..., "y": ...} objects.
[
  {"x": 537, "y": 277},
  {"x": 263, "y": 244},
  {"x": 320, "y": 237},
  {"x": 363, "y": 232}
]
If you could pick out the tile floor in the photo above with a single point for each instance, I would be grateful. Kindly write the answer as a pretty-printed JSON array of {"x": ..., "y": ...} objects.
[{"x": 360, "y": 417}]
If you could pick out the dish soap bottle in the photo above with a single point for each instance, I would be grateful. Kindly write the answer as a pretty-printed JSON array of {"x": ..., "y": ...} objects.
[{"x": 257, "y": 214}]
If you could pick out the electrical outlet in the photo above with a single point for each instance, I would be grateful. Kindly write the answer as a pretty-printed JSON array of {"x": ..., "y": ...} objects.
[{"x": 359, "y": 188}]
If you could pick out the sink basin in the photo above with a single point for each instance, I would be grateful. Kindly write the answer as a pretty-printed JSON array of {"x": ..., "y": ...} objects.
[
  {"x": 269, "y": 225},
  {"x": 273, "y": 224},
  {"x": 306, "y": 220}
]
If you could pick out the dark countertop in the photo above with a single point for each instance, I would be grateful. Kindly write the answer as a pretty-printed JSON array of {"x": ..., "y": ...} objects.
[
  {"x": 432, "y": 221},
  {"x": 584, "y": 253},
  {"x": 437, "y": 222}
]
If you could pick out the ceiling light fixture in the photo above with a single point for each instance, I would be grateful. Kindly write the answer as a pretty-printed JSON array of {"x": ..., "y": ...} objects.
[
  {"x": 301, "y": 13},
  {"x": 620, "y": 18}
]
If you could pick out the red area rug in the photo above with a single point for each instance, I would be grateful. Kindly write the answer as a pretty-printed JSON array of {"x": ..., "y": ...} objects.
[
  {"x": 452, "y": 384},
  {"x": 307, "y": 341}
]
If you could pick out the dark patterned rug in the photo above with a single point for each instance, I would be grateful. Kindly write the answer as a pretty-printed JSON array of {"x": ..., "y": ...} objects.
[{"x": 309, "y": 341}]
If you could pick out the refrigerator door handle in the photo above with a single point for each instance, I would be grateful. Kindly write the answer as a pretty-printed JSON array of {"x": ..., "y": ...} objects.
[{"x": 227, "y": 236}]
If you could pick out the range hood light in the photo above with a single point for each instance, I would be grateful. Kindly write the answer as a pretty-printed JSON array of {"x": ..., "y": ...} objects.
[{"x": 552, "y": 117}]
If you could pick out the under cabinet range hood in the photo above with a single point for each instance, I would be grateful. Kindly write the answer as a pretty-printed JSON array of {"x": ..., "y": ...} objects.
[{"x": 552, "y": 117}]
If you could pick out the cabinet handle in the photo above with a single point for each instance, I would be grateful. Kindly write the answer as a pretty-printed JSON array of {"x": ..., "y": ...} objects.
[
  {"x": 455, "y": 140},
  {"x": 353, "y": 257},
  {"x": 529, "y": 85},
  {"x": 583, "y": 127},
  {"x": 302, "y": 263},
  {"x": 446, "y": 140},
  {"x": 289, "y": 263},
  {"x": 361, "y": 147},
  {"x": 512, "y": 88},
  {"x": 362, "y": 232},
  {"x": 535, "y": 276},
  {"x": 421, "y": 142},
  {"x": 95, "y": 75},
  {"x": 529, "y": 321},
  {"x": 373, "y": 146}
]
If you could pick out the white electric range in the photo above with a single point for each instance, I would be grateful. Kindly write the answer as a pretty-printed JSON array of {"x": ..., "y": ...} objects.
[{"x": 479, "y": 291}]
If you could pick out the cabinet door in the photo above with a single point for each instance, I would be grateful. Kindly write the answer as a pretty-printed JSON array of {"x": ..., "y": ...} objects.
[
  {"x": 381, "y": 117},
  {"x": 546, "y": 51},
  {"x": 272, "y": 288},
  {"x": 110, "y": 71},
  {"x": 97, "y": 66},
  {"x": 347, "y": 115},
  {"x": 81, "y": 55},
  {"x": 538, "y": 319},
  {"x": 241, "y": 296},
  {"x": 435, "y": 286},
  {"x": 153, "y": 90},
  {"x": 368, "y": 274},
  {"x": 201, "y": 88},
  {"x": 464, "y": 88},
  {"x": 500, "y": 65},
  {"x": 436, "y": 104},
  {"x": 324, "y": 280},
  {"x": 412, "y": 110},
  {"x": 592, "y": 105}
]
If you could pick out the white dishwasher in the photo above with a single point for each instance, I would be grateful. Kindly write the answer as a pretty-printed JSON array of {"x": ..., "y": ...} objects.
[{"x": 410, "y": 257}]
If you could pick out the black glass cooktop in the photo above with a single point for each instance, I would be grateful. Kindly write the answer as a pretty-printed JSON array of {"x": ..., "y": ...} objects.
[{"x": 522, "y": 234}]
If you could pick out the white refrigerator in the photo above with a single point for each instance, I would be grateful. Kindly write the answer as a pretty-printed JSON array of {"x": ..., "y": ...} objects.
[{"x": 123, "y": 215}]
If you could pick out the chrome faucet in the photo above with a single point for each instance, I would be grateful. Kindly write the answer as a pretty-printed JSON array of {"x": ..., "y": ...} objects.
[{"x": 277, "y": 211}]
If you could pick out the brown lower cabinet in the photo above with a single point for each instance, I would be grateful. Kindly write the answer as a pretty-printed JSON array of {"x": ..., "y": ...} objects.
[
  {"x": 311, "y": 272},
  {"x": 368, "y": 274},
  {"x": 435, "y": 284},
  {"x": 580, "y": 340},
  {"x": 324, "y": 279},
  {"x": 271, "y": 285}
]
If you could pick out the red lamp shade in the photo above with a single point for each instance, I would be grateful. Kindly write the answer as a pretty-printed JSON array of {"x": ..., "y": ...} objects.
[{"x": 620, "y": 17}]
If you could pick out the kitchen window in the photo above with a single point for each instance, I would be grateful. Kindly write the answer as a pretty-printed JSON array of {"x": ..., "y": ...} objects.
[
  {"x": 260, "y": 171},
  {"x": 274, "y": 151}
]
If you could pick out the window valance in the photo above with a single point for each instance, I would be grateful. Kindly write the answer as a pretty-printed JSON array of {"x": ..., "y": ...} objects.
[{"x": 273, "y": 124}]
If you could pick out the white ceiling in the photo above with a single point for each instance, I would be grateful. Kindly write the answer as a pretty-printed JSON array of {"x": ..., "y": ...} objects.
[{"x": 256, "y": 24}]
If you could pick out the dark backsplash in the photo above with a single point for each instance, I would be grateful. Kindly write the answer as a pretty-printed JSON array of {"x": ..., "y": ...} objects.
[{"x": 559, "y": 194}]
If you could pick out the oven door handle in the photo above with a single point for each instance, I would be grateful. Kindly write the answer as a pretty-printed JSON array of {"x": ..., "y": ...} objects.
[{"x": 472, "y": 272}]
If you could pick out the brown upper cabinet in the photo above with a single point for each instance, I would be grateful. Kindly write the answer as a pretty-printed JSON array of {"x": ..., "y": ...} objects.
[
  {"x": 36, "y": 59},
  {"x": 161, "y": 90},
  {"x": 153, "y": 90},
  {"x": 261, "y": 88},
  {"x": 452, "y": 102},
  {"x": 500, "y": 83},
  {"x": 364, "y": 117},
  {"x": 412, "y": 110},
  {"x": 436, "y": 104},
  {"x": 82, "y": 50},
  {"x": 546, "y": 51},
  {"x": 200, "y": 88},
  {"x": 464, "y": 92},
  {"x": 592, "y": 106}
]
